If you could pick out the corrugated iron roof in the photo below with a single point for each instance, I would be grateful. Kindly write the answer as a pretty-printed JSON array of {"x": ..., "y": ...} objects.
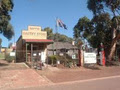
[
  {"x": 61, "y": 45},
  {"x": 39, "y": 40}
]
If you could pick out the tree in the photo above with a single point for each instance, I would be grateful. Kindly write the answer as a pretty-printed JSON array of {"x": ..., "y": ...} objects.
[
  {"x": 57, "y": 37},
  {"x": 0, "y": 44},
  {"x": 95, "y": 30},
  {"x": 0, "y": 41},
  {"x": 49, "y": 33},
  {"x": 10, "y": 45},
  {"x": 81, "y": 27},
  {"x": 62, "y": 38},
  {"x": 6, "y": 29},
  {"x": 112, "y": 7}
]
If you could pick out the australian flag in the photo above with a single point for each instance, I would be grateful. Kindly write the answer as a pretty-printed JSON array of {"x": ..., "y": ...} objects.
[{"x": 61, "y": 24}]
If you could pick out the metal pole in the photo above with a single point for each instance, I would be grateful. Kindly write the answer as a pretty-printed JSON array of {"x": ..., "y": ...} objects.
[
  {"x": 79, "y": 52},
  {"x": 15, "y": 46},
  {"x": 26, "y": 52},
  {"x": 53, "y": 48},
  {"x": 56, "y": 26}
]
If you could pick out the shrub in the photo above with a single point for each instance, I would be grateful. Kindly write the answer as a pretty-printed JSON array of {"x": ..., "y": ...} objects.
[
  {"x": 2, "y": 56},
  {"x": 9, "y": 58},
  {"x": 115, "y": 58},
  {"x": 52, "y": 59},
  {"x": 66, "y": 60}
]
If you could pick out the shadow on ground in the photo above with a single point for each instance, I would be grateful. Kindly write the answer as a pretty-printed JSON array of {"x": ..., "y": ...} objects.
[
  {"x": 3, "y": 64},
  {"x": 92, "y": 67},
  {"x": 112, "y": 63}
]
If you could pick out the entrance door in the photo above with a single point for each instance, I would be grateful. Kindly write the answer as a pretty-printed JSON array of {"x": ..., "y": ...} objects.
[{"x": 36, "y": 55}]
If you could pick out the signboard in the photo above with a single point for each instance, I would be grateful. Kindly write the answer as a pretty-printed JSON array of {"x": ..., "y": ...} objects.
[
  {"x": 43, "y": 57},
  {"x": 90, "y": 58},
  {"x": 12, "y": 53},
  {"x": 34, "y": 54},
  {"x": 34, "y": 28},
  {"x": 34, "y": 32},
  {"x": 73, "y": 56},
  {"x": 61, "y": 54}
]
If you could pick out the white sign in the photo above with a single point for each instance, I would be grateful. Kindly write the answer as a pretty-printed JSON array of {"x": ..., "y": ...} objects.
[
  {"x": 12, "y": 53},
  {"x": 39, "y": 54},
  {"x": 43, "y": 56},
  {"x": 73, "y": 56},
  {"x": 90, "y": 58},
  {"x": 58, "y": 62},
  {"x": 61, "y": 54},
  {"x": 34, "y": 54}
]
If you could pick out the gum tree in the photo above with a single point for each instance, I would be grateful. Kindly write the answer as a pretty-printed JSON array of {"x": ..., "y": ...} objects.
[
  {"x": 6, "y": 28},
  {"x": 112, "y": 7},
  {"x": 95, "y": 30}
]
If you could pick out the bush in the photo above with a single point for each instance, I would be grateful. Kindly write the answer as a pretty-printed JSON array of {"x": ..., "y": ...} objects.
[
  {"x": 62, "y": 59},
  {"x": 9, "y": 58},
  {"x": 115, "y": 58},
  {"x": 2, "y": 56},
  {"x": 52, "y": 59},
  {"x": 66, "y": 60}
]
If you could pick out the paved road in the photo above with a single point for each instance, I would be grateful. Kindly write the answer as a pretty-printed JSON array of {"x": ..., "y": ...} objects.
[{"x": 109, "y": 83}]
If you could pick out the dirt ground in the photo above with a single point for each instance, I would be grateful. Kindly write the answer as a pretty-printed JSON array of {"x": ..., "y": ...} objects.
[
  {"x": 11, "y": 66},
  {"x": 18, "y": 75},
  {"x": 65, "y": 75}
]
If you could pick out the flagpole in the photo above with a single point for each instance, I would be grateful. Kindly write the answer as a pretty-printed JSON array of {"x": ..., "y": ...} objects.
[
  {"x": 56, "y": 27},
  {"x": 15, "y": 47},
  {"x": 61, "y": 24}
]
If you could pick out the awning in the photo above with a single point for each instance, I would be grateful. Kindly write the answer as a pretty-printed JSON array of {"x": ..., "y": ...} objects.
[{"x": 39, "y": 40}]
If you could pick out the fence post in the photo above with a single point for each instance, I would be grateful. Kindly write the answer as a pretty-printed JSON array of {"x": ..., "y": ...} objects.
[{"x": 79, "y": 56}]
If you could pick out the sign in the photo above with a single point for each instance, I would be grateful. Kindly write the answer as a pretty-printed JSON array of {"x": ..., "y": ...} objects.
[
  {"x": 34, "y": 54},
  {"x": 34, "y": 28},
  {"x": 73, "y": 56},
  {"x": 34, "y": 32},
  {"x": 58, "y": 62},
  {"x": 43, "y": 57},
  {"x": 90, "y": 58},
  {"x": 12, "y": 53},
  {"x": 61, "y": 54}
]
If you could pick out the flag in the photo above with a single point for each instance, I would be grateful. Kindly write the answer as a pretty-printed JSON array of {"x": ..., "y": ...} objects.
[{"x": 61, "y": 24}]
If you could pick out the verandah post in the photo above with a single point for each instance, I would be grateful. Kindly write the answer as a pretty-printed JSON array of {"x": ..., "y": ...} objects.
[
  {"x": 26, "y": 52},
  {"x": 32, "y": 53}
]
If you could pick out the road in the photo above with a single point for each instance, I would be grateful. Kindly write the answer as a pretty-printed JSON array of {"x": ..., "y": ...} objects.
[{"x": 105, "y": 83}]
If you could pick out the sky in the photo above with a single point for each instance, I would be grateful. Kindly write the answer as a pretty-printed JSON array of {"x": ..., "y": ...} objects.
[{"x": 43, "y": 13}]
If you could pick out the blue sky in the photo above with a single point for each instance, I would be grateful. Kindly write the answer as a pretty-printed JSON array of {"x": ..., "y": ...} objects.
[{"x": 43, "y": 13}]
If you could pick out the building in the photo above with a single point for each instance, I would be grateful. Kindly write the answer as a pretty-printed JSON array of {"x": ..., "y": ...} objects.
[
  {"x": 32, "y": 45},
  {"x": 66, "y": 49},
  {"x": 2, "y": 49},
  {"x": 61, "y": 48}
]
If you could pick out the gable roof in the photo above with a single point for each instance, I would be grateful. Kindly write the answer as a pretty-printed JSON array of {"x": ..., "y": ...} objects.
[{"x": 61, "y": 45}]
